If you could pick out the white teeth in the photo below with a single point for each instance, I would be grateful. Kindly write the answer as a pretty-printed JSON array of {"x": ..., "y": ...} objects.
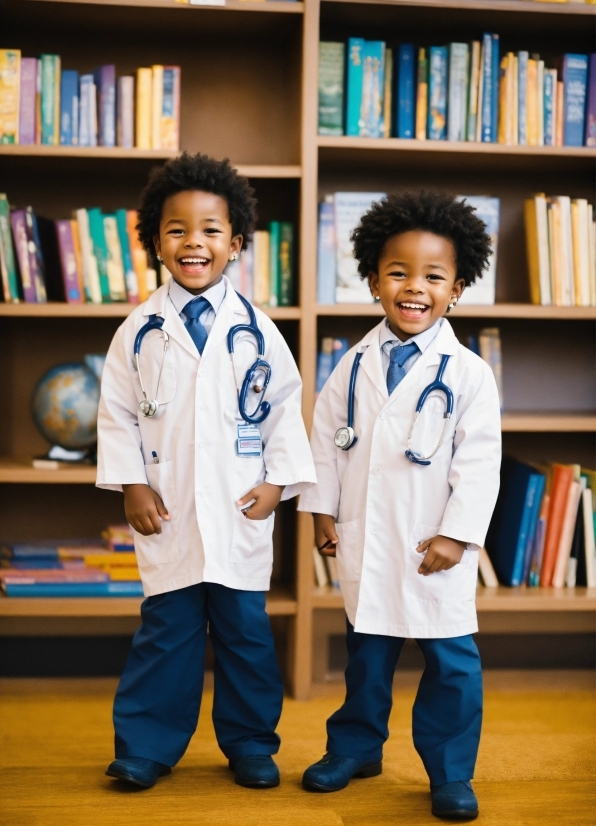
[
  {"x": 193, "y": 260},
  {"x": 413, "y": 306}
]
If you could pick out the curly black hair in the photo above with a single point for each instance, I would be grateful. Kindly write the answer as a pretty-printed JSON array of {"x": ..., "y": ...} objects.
[
  {"x": 434, "y": 212},
  {"x": 202, "y": 173}
]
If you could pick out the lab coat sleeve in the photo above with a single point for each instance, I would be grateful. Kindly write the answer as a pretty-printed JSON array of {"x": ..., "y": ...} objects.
[
  {"x": 330, "y": 413},
  {"x": 474, "y": 473},
  {"x": 119, "y": 456},
  {"x": 286, "y": 451}
]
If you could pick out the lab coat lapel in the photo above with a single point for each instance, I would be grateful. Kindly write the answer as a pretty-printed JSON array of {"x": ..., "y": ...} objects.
[
  {"x": 227, "y": 315},
  {"x": 371, "y": 359},
  {"x": 159, "y": 304}
]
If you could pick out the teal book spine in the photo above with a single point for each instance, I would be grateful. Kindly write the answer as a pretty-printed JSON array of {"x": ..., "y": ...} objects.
[
  {"x": 75, "y": 589},
  {"x": 100, "y": 250},
  {"x": 130, "y": 276},
  {"x": 354, "y": 85},
  {"x": 274, "y": 263},
  {"x": 372, "y": 124},
  {"x": 331, "y": 88},
  {"x": 458, "y": 91},
  {"x": 8, "y": 258},
  {"x": 50, "y": 99},
  {"x": 437, "y": 93},
  {"x": 286, "y": 264}
]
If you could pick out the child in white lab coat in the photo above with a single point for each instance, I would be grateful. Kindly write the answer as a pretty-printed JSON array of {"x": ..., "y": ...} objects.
[
  {"x": 406, "y": 507},
  {"x": 202, "y": 467}
]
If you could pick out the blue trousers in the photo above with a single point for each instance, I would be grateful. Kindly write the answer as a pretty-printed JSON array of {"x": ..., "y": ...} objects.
[
  {"x": 447, "y": 714},
  {"x": 157, "y": 704}
]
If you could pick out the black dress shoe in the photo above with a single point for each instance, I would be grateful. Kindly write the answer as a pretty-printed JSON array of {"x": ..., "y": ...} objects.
[
  {"x": 255, "y": 771},
  {"x": 138, "y": 771},
  {"x": 454, "y": 801},
  {"x": 333, "y": 772}
]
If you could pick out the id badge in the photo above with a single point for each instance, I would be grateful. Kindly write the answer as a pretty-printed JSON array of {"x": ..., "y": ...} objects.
[{"x": 249, "y": 440}]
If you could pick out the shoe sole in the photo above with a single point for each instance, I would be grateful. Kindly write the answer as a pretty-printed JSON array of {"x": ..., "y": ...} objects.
[
  {"x": 369, "y": 771},
  {"x": 128, "y": 778},
  {"x": 456, "y": 814},
  {"x": 258, "y": 784}
]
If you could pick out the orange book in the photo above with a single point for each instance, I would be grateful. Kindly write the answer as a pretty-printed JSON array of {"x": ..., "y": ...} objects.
[
  {"x": 137, "y": 253},
  {"x": 559, "y": 495},
  {"x": 532, "y": 103},
  {"x": 559, "y": 113},
  {"x": 564, "y": 550}
]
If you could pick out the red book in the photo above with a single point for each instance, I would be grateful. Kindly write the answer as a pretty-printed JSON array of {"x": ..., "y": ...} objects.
[{"x": 559, "y": 495}]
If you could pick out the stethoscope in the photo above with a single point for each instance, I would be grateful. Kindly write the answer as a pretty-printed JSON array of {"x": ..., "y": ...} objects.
[
  {"x": 345, "y": 438},
  {"x": 260, "y": 368}
]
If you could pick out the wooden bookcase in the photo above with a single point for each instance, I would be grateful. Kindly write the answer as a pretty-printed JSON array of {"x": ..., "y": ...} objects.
[{"x": 249, "y": 92}]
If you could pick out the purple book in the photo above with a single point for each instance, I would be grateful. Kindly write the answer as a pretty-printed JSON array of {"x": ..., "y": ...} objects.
[
  {"x": 68, "y": 262},
  {"x": 105, "y": 80},
  {"x": 19, "y": 232},
  {"x": 36, "y": 262},
  {"x": 27, "y": 100},
  {"x": 590, "y": 136}
]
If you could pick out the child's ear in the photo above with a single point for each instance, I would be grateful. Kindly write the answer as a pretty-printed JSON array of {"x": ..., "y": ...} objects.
[
  {"x": 457, "y": 289},
  {"x": 373, "y": 283},
  {"x": 157, "y": 245},
  {"x": 235, "y": 247}
]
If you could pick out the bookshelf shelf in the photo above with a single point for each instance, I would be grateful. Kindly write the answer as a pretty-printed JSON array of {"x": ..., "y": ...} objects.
[
  {"x": 62, "y": 310},
  {"x": 20, "y": 471},
  {"x": 520, "y": 6},
  {"x": 457, "y": 147},
  {"x": 545, "y": 422},
  {"x": 111, "y": 152},
  {"x": 283, "y": 6},
  {"x": 525, "y": 311}
]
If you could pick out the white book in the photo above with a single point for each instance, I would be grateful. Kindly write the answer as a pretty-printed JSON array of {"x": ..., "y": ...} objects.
[
  {"x": 486, "y": 570},
  {"x": 115, "y": 265},
  {"x": 88, "y": 259},
  {"x": 546, "y": 297},
  {"x": 590, "y": 544},
  {"x": 126, "y": 109},
  {"x": 581, "y": 251},
  {"x": 458, "y": 87},
  {"x": 484, "y": 290},
  {"x": 592, "y": 247},
  {"x": 333, "y": 572},
  {"x": 349, "y": 209},
  {"x": 567, "y": 279}
]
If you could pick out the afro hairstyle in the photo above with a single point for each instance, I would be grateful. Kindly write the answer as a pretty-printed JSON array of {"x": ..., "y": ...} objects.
[
  {"x": 197, "y": 172},
  {"x": 434, "y": 212}
]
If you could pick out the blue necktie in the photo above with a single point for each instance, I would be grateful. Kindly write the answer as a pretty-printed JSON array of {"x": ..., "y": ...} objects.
[
  {"x": 197, "y": 332},
  {"x": 398, "y": 357}
]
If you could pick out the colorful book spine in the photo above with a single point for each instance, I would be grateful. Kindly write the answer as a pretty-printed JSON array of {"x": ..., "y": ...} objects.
[
  {"x": 331, "y": 88},
  {"x": 89, "y": 267},
  {"x": 36, "y": 262},
  {"x": 540, "y": 100},
  {"x": 422, "y": 95},
  {"x": 27, "y": 93},
  {"x": 274, "y": 262},
  {"x": 75, "y": 589},
  {"x": 114, "y": 262},
  {"x": 68, "y": 261},
  {"x": 388, "y": 121},
  {"x": 50, "y": 99},
  {"x": 405, "y": 110},
  {"x": 262, "y": 261},
  {"x": 522, "y": 86},
  {"x": 550, "y": 89},
  {"x": 138, "y": 254},
  {"x": 105, "y": 82},
  {"x": 156, "y": 105},
  {"x": 326, "y": 259},
  {"x": 590, "y": 130},
  {"x": 324, "y": 363},
  {"x": 373, "y": 83},
  {"x": 494, "y": 114},
  {"x": 170, "y": 108},
  {"x": 437, "y": 93},
  {"x": 9, "y": 265},
  {"x": 286, "y": 264},
  {"x": 130, "y": 276},
  {"x": 473, "y": 87},
  {"x": 125, "y": 119},
  {"x": 19, "y": 231},
  {"x": 459, "y": 57},
  {"x": 574, "y": 76},
  {"x": 69, "y": 108},
  {"x": 489, "y": 87},
  {"x": 10, "y": 71},
  {"x": 100, "y": 251},
  {"x": 86, "y": 99},
  {"x": 354, "y": 76},
  {"x": 143, "y": 109}
]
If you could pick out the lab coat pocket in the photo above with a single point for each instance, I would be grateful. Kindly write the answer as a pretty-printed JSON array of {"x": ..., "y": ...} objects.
[
  {"x": 252, "y": 544},
  {"x": 349, "y": 550},
  {"x": 160, "y": 548},
  {"x": 458, "y": 584}
]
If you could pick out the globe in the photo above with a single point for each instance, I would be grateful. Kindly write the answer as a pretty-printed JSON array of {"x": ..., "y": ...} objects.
[{"x": 64, "y": 406}]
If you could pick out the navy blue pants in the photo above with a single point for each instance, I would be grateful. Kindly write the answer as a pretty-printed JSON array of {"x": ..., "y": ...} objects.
[
  {"x": 157, "y": 704},
  {"x": 447, "y": 714}
]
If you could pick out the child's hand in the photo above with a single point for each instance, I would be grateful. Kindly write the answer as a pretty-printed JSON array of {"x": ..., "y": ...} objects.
[
  {"x": 442, "y": 553},
  {"x": 144, "y": 509},
  {"x": 266, "y": 499},
  {"x": 324, "y": 533}
]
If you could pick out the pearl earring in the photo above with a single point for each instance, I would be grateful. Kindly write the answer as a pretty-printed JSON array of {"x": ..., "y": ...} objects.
[
  {"x": 233, "y": 256},
  {"x": 452, "y": 305},
  {"x": 377, "y": 297},
  {"x": 160, "y": 259}
]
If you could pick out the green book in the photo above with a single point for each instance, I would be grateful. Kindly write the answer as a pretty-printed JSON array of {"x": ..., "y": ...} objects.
[
  {"x": 331, "y": 88},
  {"x": 274, "y": 263},
  {"x": 50, "y": 99},
  {"x": 100, "y": 250},
  {"x": 7, "y": 259},
  {"x": 286, "y": 264},
  {"x": 130, "y": 276}
]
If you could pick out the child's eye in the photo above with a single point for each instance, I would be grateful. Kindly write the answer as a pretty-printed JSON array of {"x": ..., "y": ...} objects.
[
  {"x": 397, "y": 274},
  {"x": 434, "y": 276},
  {"x": 212, "y": 231},
  {"x": 176, "y": 231}
]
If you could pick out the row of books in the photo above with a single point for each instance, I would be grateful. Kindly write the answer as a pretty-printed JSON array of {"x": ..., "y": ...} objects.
[
  {"x": 265, "y": 272},
  {"x": 561, "y": 249},
  {"x": 542, "y": 531},
  {"x": 72, "y": 567},
  {"x": 92, "y": 257},
  {"x": 459, "y": 92},
  {"x": 338, "y": 280},
  {"x": 41, "y": 103}
]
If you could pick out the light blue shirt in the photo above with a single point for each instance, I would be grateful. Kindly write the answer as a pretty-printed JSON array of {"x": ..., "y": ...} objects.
[
  {"x": 214, "y": 295},
  {"x": 388, "y": 341}
]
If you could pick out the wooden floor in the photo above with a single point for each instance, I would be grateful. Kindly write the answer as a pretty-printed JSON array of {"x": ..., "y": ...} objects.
[{"x": 536, "y": 763}]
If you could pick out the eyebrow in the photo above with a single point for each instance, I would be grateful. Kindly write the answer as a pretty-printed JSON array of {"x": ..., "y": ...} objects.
[
  {"x": 404, "y": 264},
  {"x": 182, "y": 221}
]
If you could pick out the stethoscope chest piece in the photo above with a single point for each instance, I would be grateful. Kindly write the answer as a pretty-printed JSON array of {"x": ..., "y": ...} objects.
[
  {"x": 148, "y": 408},
  {"x": 345, "y": 438}
]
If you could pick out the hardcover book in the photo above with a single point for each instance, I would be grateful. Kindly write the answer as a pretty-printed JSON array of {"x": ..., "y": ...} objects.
[
  {"x": 406, "y": 91},
  {"x": 27, "y": 94},
  {"x": 349, "y": 208},
  {"x": 10, "y": 69},
  {"x": 437, "y": 93},
  {"x": 331, "y": 88}
]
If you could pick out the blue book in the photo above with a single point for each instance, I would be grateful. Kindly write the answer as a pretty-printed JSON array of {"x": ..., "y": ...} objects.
[
  {"x": 373, "y": 85},
  {"x": 354, "y": 85},
  {"x": 437, "y": 93},
  {"x": 538, "y": 491},
  {"x": 507, "y": 537},
  {"x": 340, "y": 348},
  {"x": 488, "y": 84},
  {"x": 494, "y": 110},
  {"x": 69, "y": 108},
  {"x": 75, "y": 589},
  {"x": 575, "y": 81},
  {"x": 324, "y": 363},
  {"x": 326, "y": 254},
  {"x": 405, "y": 100},
  {"x": 522, "y": 87},
  {"x": 550, "y": 91},
  {"x": 105, "y": 80},
  {"x": 87, "y": 115}
]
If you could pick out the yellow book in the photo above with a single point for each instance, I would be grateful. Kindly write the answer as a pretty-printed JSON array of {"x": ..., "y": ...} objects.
[
  {"x": 76, "y": 243},
  {"x": 559, "y": 113},
  {"x": 532, "y": 104},
  {"x": 514, "y": 102},
  {"x": 156, "y": 105},
  {"x": 105, "y": 559},
  {"x": 592, "y": 249},
  {"x": 10, "y": 74},
  {"x": 387, "y": 99},
  {"x": 124, "y": 574},
  {"x": 555, "y": 243},
  {"x": 422, "y": 96},
  {"x": 143, "y": 109},
  {"x": 581, "y": 251},
  {"x": 532, "y": 249},
  {"x": 473, "y": 90},
  {"x": 503, "y": 77},
  {"x": 262, "y": 277},
  {"x": 57, "y": 85}
]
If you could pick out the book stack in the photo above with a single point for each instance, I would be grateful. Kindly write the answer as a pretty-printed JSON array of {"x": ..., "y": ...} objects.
[
  {"x": 458, "y": 92},
  {"x": 72, "y": 568},
  {"x": 542, "y": 530},
  {"x": 331, "y": 352},
  {"x": 41, "y": 103},
  {"x": 338, "y": 280},
  {"x": 487, "y": 345},
  {"x": 561, "y": 250},
  {"x": 92, "y": 257},
  {"x": 265, "y": 272}
]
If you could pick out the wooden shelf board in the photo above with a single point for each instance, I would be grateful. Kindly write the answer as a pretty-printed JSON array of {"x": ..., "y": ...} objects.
[
  {"x": 230, "y": 5},
  {"x": 57, "y": 309},
  {"x": 269, "y": 170},
  {"x": 526, "y": 311},
  {"x": 547, "y": 422},
  {"x": 488, "y": 5},
  {"x": 499, "y": 599},
  {"x": 453, "y": 147},
  {"x": 280, "y": 602},
  {"x": 20, "y": 471},
  {"x": 112, "y": 152}
]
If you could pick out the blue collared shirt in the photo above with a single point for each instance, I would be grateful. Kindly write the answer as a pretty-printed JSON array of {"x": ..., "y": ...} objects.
[
  {"x": 388, "y": 341},
  {"x": 214, "y": 295}
]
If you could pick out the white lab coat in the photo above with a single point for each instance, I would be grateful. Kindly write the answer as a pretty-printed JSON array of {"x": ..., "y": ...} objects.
[
  {"x": 199, "y": 476},
  {"x": 385, "y": 505}
]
